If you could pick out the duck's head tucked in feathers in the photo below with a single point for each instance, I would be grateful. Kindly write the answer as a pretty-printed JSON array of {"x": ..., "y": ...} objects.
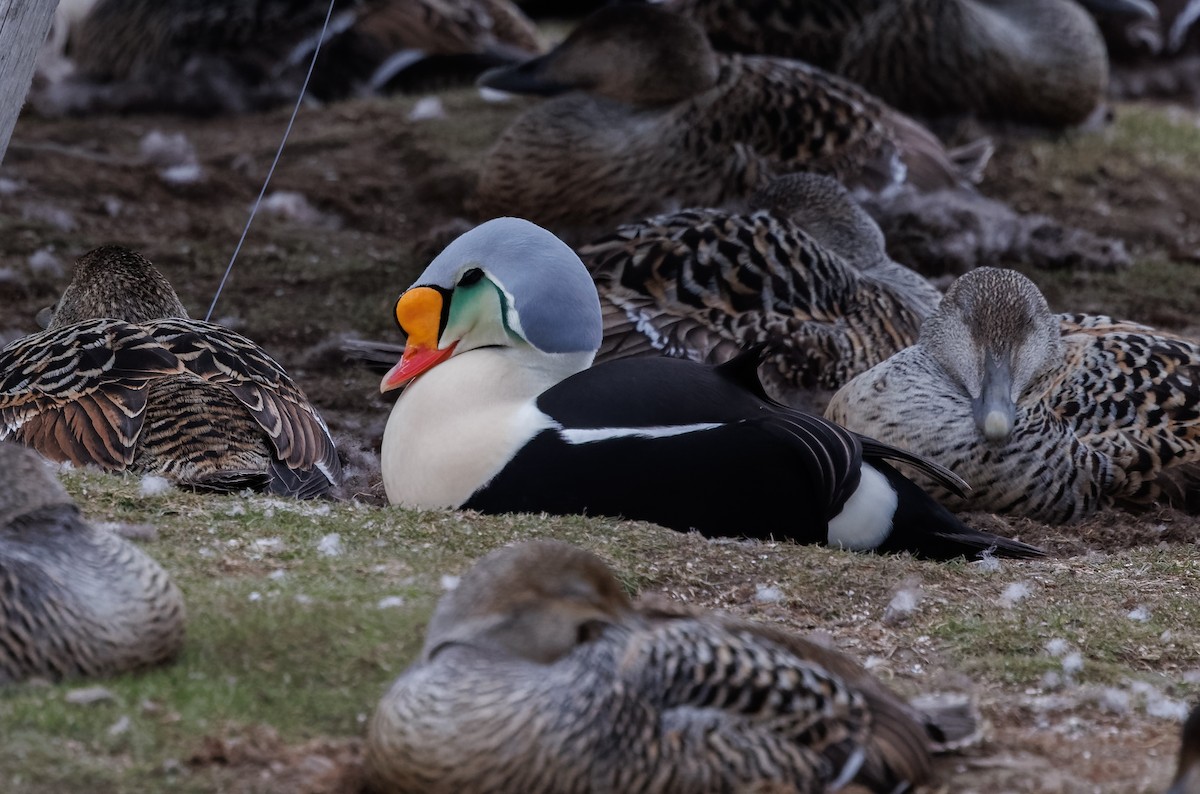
[
  {"x": 994, "y": 335},
  {"x": 75, "y": 600},
  {"x": 825, "y": 209},
  {"x": 28, "y": 485},
  {"x": 497, "y": 286},
  {"x": 115, "y": 282},
  {"x": 123, "y": 379},
  {"x": 535, "y": 601},
  {"x": 632, "y": 53}
]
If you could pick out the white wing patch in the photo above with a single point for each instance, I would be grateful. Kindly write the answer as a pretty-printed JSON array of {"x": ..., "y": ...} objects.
[{"x": 592, "y": 435}]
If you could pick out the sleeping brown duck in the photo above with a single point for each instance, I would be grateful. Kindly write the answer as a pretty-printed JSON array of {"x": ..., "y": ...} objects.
[{"x": 123, "y": 379}]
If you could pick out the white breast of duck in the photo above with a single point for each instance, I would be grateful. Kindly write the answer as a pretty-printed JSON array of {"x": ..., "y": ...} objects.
[{"x": 456, "y": 426}]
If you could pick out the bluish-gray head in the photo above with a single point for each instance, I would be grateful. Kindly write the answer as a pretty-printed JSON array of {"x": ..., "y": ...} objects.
[{"x": 507, "y": 282}]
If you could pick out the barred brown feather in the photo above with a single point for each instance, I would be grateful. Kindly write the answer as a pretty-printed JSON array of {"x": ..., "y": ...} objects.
[
  {"x": 1030, "y": 60},
  {"x": 806, "y": 30}
]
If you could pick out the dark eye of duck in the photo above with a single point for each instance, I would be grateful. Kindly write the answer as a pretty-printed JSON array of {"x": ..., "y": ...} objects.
[{"x": 472, "y": 276}]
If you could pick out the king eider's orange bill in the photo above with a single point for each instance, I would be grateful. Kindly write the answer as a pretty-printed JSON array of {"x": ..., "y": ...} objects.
[{"x": 419, "y": 313}]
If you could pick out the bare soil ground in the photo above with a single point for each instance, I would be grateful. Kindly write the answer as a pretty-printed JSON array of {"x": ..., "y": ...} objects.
[{"x": 359, "y": 198}]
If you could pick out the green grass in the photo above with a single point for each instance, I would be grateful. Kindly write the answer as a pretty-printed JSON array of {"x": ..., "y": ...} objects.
[{"x": 281, "y": 635}]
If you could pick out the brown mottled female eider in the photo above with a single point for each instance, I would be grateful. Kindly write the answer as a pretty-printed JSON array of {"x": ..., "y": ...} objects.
[
  {"x": 806, "y": 275},
  {"x": 1040, "y": 61},
  {"x": 1048, "y": 416},
  {"x": 653, "y": 119},
  {"x": 74, "y": 600},
  {"x": 538, "y": 675},
  {"x": 125, "y": 380}
]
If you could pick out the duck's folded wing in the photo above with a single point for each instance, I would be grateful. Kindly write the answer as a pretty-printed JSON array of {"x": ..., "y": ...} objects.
[
  {"x": 636, "y": 325},
  {"x": 78, "y": 393},
  {"x": 757, "y": 688},
  {"x": 680, "y": 444},
  {"x": 1135, "y": 394},
  {"x": 902, "y": 737},
  {"x": 216, "y": 354},
  {"x": 718, "y": 479}
]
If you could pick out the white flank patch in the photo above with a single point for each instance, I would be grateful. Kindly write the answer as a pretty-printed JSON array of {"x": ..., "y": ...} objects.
[
  {"x": 592, "y": 435},
  {"x": 866, "y": 518}
]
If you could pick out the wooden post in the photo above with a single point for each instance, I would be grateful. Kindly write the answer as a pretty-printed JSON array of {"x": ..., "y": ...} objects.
[{"x": 23, "y": 27}]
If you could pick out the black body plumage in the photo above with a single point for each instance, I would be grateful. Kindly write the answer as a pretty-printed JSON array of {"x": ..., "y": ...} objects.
[{"x": 689, "y": 446}]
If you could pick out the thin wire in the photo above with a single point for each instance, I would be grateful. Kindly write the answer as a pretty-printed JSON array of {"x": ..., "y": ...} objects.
[{"x": 271, "y": 170}]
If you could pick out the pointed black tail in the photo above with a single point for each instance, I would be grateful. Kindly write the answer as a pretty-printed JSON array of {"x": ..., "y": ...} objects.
[{"x": 927, "y": 529}]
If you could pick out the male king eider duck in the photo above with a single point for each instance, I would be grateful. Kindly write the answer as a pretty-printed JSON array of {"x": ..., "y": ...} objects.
[{"x": 505, "y": 416}]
